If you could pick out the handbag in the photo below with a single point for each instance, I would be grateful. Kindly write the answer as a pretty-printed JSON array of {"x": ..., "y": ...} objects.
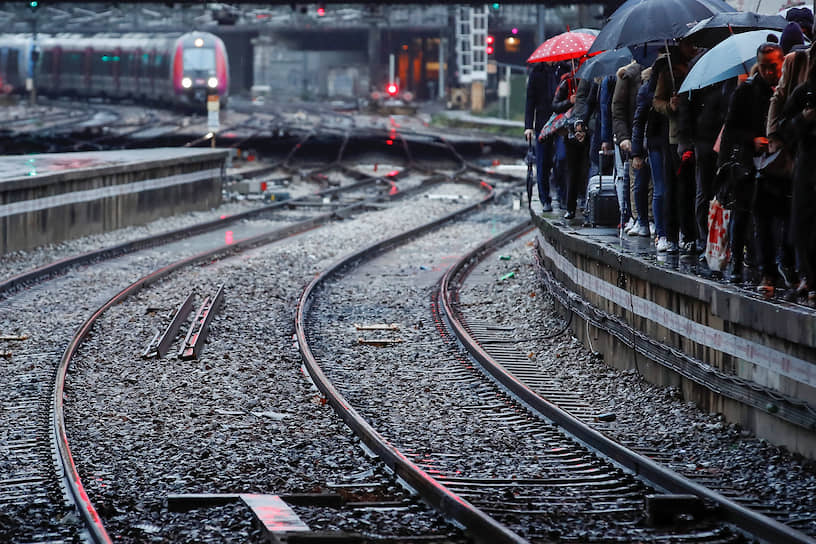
[{"x": 718, "y": 250}]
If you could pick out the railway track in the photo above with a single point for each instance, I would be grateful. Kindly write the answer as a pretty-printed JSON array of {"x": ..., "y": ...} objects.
[
  {"x": 547, "y": 485},
  {"x": 34, "y": 466}
]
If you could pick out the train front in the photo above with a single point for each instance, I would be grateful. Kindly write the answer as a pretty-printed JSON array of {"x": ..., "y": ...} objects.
[{"x": 200, "y": 68}]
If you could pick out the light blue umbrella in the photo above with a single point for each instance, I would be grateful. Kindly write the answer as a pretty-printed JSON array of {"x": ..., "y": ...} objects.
[{"x": 731, "y": 57}]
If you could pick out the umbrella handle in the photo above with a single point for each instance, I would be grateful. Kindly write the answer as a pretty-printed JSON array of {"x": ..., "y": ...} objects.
[{"x": 671, "y": 70}]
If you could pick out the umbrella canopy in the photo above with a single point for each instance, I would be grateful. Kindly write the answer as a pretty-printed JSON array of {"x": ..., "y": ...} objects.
[
  {"x": 605, "y": 64},
  {"x": 566, "y": 46},
  {"x": 608, "y": 62},
  {"x": 642, "y": 21},
  {"x": 709, "y": 32},
  {"x": 731, "y": 57},
  {"x": 583, "y": 30}
]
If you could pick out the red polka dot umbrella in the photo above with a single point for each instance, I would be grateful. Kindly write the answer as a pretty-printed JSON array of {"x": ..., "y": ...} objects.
[{"x": 566, "y": 46}]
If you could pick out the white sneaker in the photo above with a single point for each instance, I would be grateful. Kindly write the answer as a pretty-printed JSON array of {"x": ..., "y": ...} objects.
[
  {"x": 662, "y": 244},
  {"x": 628, "y": 225},
  {"x": 632, "y": 231},
  {"x": 640, "y": 231},
  {"x": 651, "y": 228}
]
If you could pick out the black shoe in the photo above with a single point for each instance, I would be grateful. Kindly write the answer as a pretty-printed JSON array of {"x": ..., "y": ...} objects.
[
  {"x": 546, "y": 207},
  {"x": 734, "y": 275},
  {"x": 569, "y": 215}
]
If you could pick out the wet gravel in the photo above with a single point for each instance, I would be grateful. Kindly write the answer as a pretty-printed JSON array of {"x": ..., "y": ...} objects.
[
  {"x": 433, "y": 409},
  {"x": 699, "y": 445},
  {"x": 243, "y": 418}
]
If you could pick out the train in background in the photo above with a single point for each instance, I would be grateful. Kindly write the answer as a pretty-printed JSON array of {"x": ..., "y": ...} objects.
[{"x": 166, "y": 69}]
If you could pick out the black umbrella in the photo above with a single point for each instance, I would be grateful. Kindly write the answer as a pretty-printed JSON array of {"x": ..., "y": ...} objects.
[
  {"x": 605, "y": 64},
  {"x": 709, "y": 32},
  {"x": 608, "y": 62},
  {"x": 642, "y": 21},
  {"x": 530, "y": 159}
]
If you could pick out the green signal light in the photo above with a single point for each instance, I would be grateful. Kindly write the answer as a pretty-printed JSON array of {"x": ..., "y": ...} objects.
[{"x": 496, "y": 6}]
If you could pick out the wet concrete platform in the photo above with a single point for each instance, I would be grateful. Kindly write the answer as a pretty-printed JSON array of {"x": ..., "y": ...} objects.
[
  {"x": 50, "y": 197},
  {"x": 726, "y": 347}
]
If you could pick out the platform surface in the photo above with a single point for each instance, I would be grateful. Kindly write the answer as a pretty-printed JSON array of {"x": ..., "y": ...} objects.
[
  {"x": 643, "y": 249},
  {"x": 22, "y": 166}
]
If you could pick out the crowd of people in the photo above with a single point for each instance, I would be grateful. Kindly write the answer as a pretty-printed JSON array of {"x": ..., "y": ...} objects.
[{"x": 747, "y": 141}]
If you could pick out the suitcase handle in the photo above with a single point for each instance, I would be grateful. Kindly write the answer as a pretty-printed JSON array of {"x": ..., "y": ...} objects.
[{"x": 614, "y": 165}]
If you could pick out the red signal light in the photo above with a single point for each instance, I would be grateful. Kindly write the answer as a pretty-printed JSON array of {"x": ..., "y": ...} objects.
[
  {"x": 321, "y": 11},
  {"x": 392, "y": 89},
  {"x": 489, "y": 49},
  {"x": 490, "y": 40}
]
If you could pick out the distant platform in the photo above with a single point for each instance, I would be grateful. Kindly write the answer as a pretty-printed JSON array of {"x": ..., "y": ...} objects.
[
  {"x": 726, "y": 347},
  {"x": 50, "y": 197},
  {"x": 43, "y": 164}
]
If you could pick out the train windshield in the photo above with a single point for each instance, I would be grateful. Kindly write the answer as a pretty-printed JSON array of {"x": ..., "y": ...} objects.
[{"x": 199, "y": 58}]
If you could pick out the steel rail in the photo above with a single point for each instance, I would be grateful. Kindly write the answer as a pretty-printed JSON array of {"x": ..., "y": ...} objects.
[
  {"x": 657, "y": 475},
  {"x": 481, "y": 526},
  {"x": 63, "y": 458},
  {"x": 60, "y": 266}
]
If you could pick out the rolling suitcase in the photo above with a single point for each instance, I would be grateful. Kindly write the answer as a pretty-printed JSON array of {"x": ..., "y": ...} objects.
[{"x": 602, "y": 202}]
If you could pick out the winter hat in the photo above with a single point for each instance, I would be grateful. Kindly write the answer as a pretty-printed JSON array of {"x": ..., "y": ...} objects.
[
  {"x": 802, "y": 16},
  {"x": 791, "y": 36}
]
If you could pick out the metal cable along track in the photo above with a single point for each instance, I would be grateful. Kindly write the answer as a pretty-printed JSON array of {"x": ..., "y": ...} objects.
[
  {"x": 655, "y": 474},
  {"x": 479, "y": 525},
  {"x": 758, "y": 396}
]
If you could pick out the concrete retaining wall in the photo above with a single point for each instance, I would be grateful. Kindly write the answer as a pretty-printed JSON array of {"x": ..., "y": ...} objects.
[
  {"x": 752, "y": 360},
  {"x": 127, "y": 188}
]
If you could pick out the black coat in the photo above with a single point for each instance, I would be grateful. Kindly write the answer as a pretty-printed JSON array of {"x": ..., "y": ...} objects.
[
  {"x": 746, "y": 119},
  {"x": 702, "y": 115},
  {"x": 541, "y": 85}
]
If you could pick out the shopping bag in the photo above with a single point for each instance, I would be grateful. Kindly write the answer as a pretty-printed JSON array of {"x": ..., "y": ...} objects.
[{"x": 718, "y": 250}]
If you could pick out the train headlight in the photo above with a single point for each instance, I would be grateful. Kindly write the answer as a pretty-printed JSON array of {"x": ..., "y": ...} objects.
[
  {"x": 186, "y": 82},
  {"x": 212, "y": 83}
]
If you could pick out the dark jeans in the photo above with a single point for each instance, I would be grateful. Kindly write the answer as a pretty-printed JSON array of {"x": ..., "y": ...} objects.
[
  {"x": 659, "y": 192},
  {"x": 642, "y": 178},
  {"x": 740, "y": 230},
  {"x": 577, "y": 170},
  {"x": 544, "y": 160},
  {"x": 705, "y": 172},
  {"x": 560, "y": 170},
  {"x": 771, "y": 210},
  {"x": 678, "y": 198},
  {"x": 594, "y": 158},
  {"x": 803, "y": 228}
]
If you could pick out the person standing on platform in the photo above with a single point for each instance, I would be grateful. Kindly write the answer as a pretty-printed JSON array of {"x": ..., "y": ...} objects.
[
  {"x": 541, "y": 85},
  {"x": 744, "y": 137},
  {"x": 678, "y": 199},
  {"x": 576, "y": 140},
  {"x": 624, "y": 102},
  {"x": 798, "y": 129}
]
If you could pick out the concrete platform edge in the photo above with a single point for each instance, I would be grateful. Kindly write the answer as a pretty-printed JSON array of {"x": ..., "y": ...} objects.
[{"x": 778, "y": 406}]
